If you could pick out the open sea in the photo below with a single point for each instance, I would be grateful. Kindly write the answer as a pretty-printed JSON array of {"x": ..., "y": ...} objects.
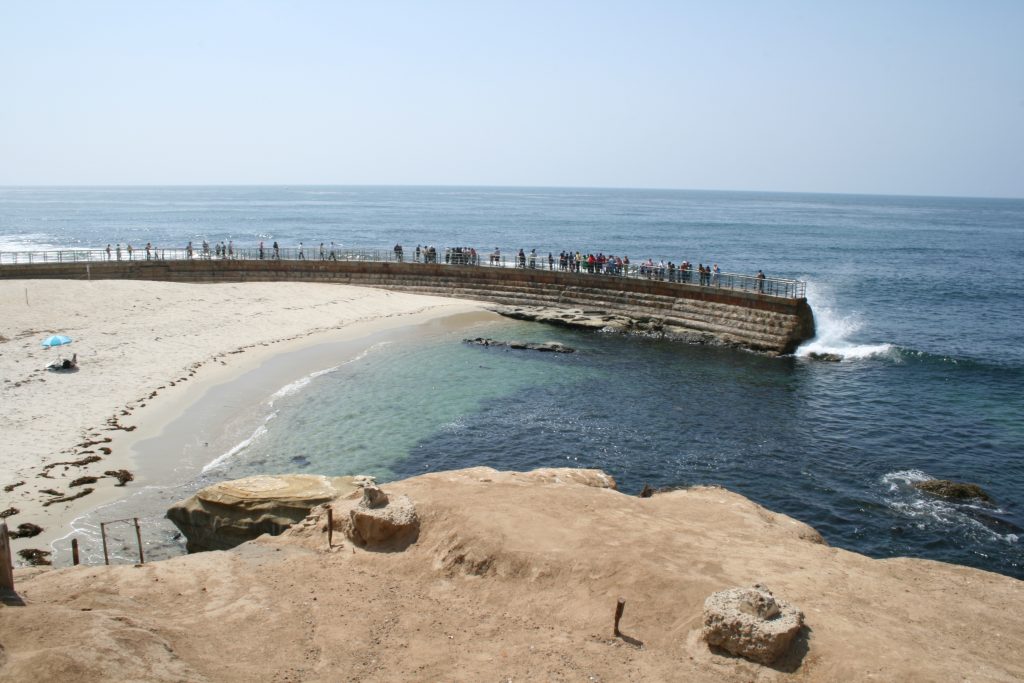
[{"x": 921, "y": 296}]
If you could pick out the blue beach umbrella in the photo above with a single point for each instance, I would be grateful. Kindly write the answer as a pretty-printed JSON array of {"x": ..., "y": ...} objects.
[{"x": 56, "y": 340}]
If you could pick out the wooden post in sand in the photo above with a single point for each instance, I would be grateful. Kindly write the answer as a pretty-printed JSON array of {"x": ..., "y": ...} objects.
[
  {"x": 330, "y": 527},
  {"x": 103, "y": 533},
  {"x": 74, "y": 551},
  {"x": 6, "y": 564},
  {"x": 619, "y": 609},
  {"x": 138, "y": 537}
]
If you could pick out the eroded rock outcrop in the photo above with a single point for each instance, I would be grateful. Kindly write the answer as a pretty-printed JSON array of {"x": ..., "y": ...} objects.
[
  {"x": 229, "y": 513},
  {"x": 382, "y": 521},
  {"x": 751, "y": 623}
]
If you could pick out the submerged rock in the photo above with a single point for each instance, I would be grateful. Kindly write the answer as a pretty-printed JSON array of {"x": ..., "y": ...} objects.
[
  {"x": 825, "y": 357},
  {"x": 954, "y": 490},
  {"x": 751, "y": 623},
  {"x": 227, "y": 514},
  {"x": 551, "y": 347}
]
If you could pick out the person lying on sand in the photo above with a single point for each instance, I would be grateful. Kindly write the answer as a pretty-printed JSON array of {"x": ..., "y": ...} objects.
[{"x": 64, "y": 363}]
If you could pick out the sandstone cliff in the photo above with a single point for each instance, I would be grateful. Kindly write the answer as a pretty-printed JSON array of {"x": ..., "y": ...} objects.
[{"x": 514, "y": 576}]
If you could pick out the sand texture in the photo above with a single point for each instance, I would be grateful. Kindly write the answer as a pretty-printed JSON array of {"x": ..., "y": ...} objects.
[
  {"x": 142, "y": 348},
  {"x": 515, "y": 577}
]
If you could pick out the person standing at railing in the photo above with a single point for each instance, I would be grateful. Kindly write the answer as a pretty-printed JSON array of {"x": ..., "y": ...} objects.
[
  {"x": 760, "y": 281},
  {"x": 118, "y": 251},
  {"x": 277, "y": 250},
  {"x": 130, "y": 252},
  {"x": 231, "y": 249},
  {"x": 149, "y": 248},
  {"x": 398, "y": 253},
  {"x": 302, "y": 255},
  {"x": 716, "y": 277},
  {"x": 334, "y": 257}
]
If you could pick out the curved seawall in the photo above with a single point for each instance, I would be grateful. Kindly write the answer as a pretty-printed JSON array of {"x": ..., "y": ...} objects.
[{"x": 691, "y": 312}]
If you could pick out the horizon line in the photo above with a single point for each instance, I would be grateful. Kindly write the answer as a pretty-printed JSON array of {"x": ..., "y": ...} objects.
[{"x": 505, "y": 187}]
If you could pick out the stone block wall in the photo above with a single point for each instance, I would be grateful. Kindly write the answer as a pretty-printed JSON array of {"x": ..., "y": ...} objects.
[{"x": 686, "y": 311}]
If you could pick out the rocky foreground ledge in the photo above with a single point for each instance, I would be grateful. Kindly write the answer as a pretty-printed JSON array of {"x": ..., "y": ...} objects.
[{"x": 515, "y": 576}]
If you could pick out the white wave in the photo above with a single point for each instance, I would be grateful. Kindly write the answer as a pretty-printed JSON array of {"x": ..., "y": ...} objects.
[
  {"x": 27, "y": 242},
  {"x": 834, "y": 329},
  {"x": 303, "y": 382},
  {"x": 240, "y": 446},
  {"x": 904, "y": 477}
]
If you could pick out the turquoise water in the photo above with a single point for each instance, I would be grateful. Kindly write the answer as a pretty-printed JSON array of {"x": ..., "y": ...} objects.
[{"x": 920, "y": 296}]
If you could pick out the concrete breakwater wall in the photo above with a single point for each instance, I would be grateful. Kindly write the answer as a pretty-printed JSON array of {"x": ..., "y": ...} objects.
[{"x": 683, "y": 311}]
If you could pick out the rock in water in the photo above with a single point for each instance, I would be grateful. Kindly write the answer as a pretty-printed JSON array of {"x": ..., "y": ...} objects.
[
  {"x": 954, "y": 490},
  {"x": 377, "y": 520},
  {"x": 751, "y": 623},
  {"x": 826, "y": 357},
  {"x": 227, "y": 514}
]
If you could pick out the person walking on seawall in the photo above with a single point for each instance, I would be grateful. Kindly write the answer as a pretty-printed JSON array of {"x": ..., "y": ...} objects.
[
  {"x": 108, "y": 252},
  {"x": 130, "y": 253},
  {"x": 231, "y": 249},
  {"x": 398, "y": 253},
  {"x": 149, "y": 248},
  {"x": 322, "y": 256},
  {"x": 416, "y": 254},
  {"x": 117, "y": 250},
  {"x": 261, "y": 249},
  {"x": 333, "y": 256},
  {"x": 760, "y": 282},
  {"x": 302, "y": 255},
  {"x": 277, "y": 250},
  {"x": 716, "y": 277}
]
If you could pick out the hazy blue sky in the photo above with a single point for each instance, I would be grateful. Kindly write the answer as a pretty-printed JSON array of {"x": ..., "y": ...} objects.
[{"x": 875, "y": 97}]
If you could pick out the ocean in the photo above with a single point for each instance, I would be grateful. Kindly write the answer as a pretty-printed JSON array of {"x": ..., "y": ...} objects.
[{"x": 919, "y": 295}]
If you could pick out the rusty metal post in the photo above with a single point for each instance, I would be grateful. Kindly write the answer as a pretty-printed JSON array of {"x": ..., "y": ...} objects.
[
  {"x": 330, "y": 527},
  {"x": 103, "y": 533},
  {"x": 6, "y": 564},
  {"x": 74, "y": 551},
  {"x": 138, "y": 537},
  {"x": 619, "y": 609}
]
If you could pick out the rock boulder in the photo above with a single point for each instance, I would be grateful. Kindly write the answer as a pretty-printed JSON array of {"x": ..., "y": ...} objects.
[
  {"x": 227, "y": 514},
  {"x": 954, "y": 490},
  {"x": 751, "y": 623},
  {"x": 380, "y": 521}
]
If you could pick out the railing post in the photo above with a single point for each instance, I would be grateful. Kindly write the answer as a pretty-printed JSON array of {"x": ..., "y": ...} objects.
[
  {"x": 103, "y": 534},
  {"x": 74, "y": 551},
  {"x": 6, "y": 564},
  {"x": 138, "y": 537}
]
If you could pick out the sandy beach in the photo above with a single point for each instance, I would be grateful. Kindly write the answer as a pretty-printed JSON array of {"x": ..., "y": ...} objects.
[{"x": 146, "y": 350}]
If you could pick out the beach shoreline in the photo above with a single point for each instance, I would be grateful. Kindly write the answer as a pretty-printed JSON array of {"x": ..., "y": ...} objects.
[{"x": 142, "y": 362}]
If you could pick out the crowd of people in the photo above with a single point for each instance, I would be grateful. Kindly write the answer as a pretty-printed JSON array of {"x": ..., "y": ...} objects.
[{"x": 569, "y": 261}]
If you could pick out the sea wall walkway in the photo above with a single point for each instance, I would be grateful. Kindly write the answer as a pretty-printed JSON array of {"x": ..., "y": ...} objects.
[{"x": 769, "y": 315}]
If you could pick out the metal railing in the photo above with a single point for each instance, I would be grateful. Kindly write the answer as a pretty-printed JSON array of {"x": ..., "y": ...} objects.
[{"x": 455, "y": 256}]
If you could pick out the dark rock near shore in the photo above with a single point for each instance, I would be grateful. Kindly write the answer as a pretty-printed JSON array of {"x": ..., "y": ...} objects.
[
  {"x": 122, "y": 476},
  {"x": 953, "y": 490},
  {"x": 825, "y": 357},
  {"x": 35, "y": 556},
  {"x": 549, "y": 347},
  {"x": 26, "y": 530}
]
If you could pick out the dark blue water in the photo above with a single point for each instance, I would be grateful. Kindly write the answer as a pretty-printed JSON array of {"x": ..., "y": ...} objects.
[{"x": 920, "y": 295}]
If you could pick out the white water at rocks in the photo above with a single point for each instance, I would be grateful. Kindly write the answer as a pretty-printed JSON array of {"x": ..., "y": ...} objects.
[{"x": 835, "y": 329}]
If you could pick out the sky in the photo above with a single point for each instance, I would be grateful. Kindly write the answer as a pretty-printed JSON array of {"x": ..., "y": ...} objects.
[{"x": 916, "y": 98}]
